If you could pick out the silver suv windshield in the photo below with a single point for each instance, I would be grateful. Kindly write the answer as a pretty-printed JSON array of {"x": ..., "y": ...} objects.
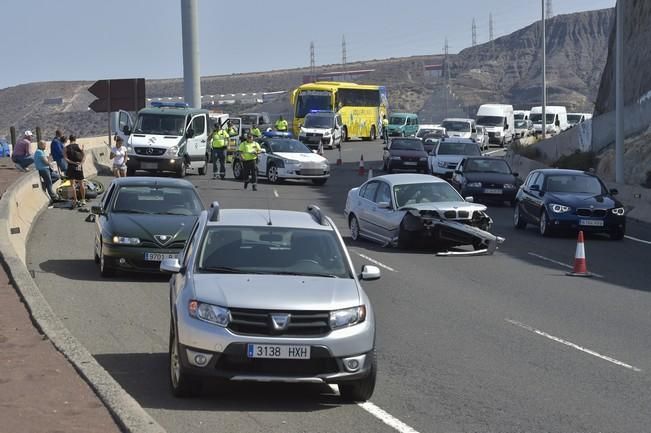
[{"x": 272, "y": 251}]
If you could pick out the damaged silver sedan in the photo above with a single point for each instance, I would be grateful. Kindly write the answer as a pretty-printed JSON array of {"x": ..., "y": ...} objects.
[{"x": 407, "y": 209}]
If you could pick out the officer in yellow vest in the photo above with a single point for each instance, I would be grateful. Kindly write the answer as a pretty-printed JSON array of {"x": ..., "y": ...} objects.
[
  {"x": 219, "y": 142},
  {"x": 385, "y": 128},
  {"x": 255, "y": 132},
  {"x": 281, "y": 124},
  {"x": 249, "y": 151}
]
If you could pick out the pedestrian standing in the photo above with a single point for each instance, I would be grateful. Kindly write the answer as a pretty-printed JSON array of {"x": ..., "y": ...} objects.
[
  {"x": 249, "y": 151},
  {"x": 75, "y": 157},
  {"x": 56, "y": 151},
  {"x": 119, "y": 157},
  {"x": 281, "y": 124},
  {"x": 385, "y": 129},
  {"x": 22, "y": 155},
  {"x": 219, "y": 143},
  {"x": 255, "y": 132},
  {"x": 42, "y": 163}
]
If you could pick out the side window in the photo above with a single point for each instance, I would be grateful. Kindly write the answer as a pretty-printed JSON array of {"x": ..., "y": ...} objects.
[
  {"x": 383, "y": 193},
  {"x": 369, "y": 191},
  {"x": 123, "y": 120},
  {"x": 415, "y": 120},
  {"x": 530, "y": 179},
  {"x": 107, "y": 197},
  {"x": 187, "y": 251},
  {"x": 539, "y": 180},
  {"x": 199, "y": 125}
]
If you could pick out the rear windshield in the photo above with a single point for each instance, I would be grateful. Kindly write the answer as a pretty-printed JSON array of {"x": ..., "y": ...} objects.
[
  {"x": 157, "y": 200},
  {"x": 406, "y": 145},
  {"x": 452, "y": 148},
  {"x": 456, "y": 126},
  {"x": 272, "y": 251}
]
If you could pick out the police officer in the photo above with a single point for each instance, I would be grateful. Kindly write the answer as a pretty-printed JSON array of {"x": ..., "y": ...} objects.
[
  {"x": 281, "y": 124},
  {"x": 255, "y": 132},
  {"x": 219, "y": 143},
  {"x": 249, "y": 151},
  {"x": 232, "y": 131},
  {"x": 385, "y": 128}
]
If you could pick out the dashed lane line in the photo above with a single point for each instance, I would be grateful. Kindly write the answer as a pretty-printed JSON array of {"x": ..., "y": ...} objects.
[
  {"x": 375, "y": 262},
  {"x": 637, "y": 240},
  {"x": 547, "y": 259},
  {"x": 572, "y": 345}
]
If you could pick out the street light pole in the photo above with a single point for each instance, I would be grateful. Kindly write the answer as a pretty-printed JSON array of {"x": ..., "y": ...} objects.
[
  {"x": 619, "y": 93},
  {"x": 190, "y": 33},
  {"x": 544, "y": 72}
]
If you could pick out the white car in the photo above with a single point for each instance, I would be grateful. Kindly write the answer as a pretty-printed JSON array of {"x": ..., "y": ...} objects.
[
  {"x": 449, "y": 152},
  {"x": 287, "y": 158},
  {"x": 321, "y": 129}
]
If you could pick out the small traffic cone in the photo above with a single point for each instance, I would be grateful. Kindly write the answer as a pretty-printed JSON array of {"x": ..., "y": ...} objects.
[
  {"x": 361, "y": 170},
  {"x": 580, "y": 265}
]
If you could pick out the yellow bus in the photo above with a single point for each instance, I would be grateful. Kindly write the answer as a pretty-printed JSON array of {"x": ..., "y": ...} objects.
[{"x": 360, "y": 107}]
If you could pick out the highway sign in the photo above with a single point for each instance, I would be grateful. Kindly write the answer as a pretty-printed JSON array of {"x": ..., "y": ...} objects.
[{"x": 123, "y": 94}]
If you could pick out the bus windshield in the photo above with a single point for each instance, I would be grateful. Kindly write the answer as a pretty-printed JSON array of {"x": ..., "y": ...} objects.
[{"x": 313, "y": 100}]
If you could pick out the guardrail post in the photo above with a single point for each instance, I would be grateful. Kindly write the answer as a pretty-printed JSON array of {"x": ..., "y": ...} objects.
[{"x": 12, "y": 133}]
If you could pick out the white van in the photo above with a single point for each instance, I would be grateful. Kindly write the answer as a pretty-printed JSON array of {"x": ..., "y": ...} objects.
[
  {"x": 555, "y": 119},
  {"x": 574, "y": 119},
  {"x": 165, "y": 137},
  {"x": 521, "y": 114},
  {"x": 461, "y": 128},
  {"x": 499, "y": 122}
]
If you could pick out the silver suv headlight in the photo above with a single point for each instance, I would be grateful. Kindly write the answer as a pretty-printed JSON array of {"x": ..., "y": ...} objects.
[
  {"x": 210, "y": 313},
  {"x": 347, "y": 317}
]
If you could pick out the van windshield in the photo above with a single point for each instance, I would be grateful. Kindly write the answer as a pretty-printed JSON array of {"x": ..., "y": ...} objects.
[
  {"x": 160, "y": 124},
  {"x": 397, "y": 120},
  {"x": 537, "y": 118},
  {"x": 456, "y": 125},
  {"x": 490, "y": 120},
  {"x": 518, "y": 116}
]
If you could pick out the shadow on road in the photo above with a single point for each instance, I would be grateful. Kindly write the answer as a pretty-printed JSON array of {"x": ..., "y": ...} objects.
[
  {"x": 87, "y": 270},
  {"x": 145, "y": 377}
]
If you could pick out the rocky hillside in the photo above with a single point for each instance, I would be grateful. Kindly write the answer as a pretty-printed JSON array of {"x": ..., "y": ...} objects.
[{"x": 509, "y": 68}]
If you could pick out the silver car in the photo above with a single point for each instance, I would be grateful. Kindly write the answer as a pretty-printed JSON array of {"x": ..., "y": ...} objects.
[
  {"x": 398, "y": 209},
  {"x": 270, "y": 296}
]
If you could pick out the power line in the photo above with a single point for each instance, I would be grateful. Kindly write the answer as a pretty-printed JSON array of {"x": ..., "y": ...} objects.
[{"x": 474, "y": 32}]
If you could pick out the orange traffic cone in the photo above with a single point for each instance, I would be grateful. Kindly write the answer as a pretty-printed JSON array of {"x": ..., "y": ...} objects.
[
  {"x": 580, "y": 266},
  {"x": 362, "y": 170}
]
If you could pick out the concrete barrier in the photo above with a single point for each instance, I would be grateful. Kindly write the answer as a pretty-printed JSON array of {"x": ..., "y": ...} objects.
[{"x": 20, "y": 206}]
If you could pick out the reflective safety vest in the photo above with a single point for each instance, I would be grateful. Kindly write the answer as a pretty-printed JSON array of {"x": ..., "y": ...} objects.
[
  {"x": 385, "y": 122},
  {"x": 250, "y": 150},
  {"x": 219, "y": 139},
  {"x": 281, "y": 125},
  {"x": 232, "y": 131},
  {"x": 255, "y": 131}
]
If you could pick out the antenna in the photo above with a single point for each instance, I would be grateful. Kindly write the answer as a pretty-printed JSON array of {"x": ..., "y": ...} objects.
[
  {"x": 312, "y": 64},
  {"x": 548, "y": 10},
  {"x": 474, "y": 32},
  {"x": 490, "y": 26},
  {"x": 275, "y": 193}
]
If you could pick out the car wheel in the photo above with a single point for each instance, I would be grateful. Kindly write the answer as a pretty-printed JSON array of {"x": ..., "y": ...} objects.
[
  {"x": 131, "y": 171},
  {"x": 237, "y": 170},
  {"x": 617, "y": 234},
  {"x": 543, "y": 226},
  {"x": 344, "y": 134},
  {"x": 181, "y": 383},
  {"x": 105, "y": 268},
  {"x": 353, "y": 224},
  {"x": 360, "y": 390},
  {"x": 272, "y": 174},
  {"x": 319, "y": 182},
  {"x": 404, "y": 238},
  {"x": 202, "y": 170},
  {"x": 181, "y": 171},
  {"x": 518, "y": 221}
]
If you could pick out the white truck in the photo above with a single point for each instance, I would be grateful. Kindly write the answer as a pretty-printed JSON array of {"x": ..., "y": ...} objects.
[
  {"x": 574, "y": 119},
  {"x": 498, "y": 121},
  {"x": 166, "y": 137},
  {"x": 555, "y": 119}
]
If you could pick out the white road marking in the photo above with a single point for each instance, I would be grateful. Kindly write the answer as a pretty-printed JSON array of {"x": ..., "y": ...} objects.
[
  {"x": 493, "y": 151},
  {"x": 572, "y": 345},
  {"x": 375, "y": 262},
  {"x": 637, "y": 240},
  {"x": 275, "y": 193},
  {"x": 547, "y": 259},
  {"x": 382, "y": 415}
]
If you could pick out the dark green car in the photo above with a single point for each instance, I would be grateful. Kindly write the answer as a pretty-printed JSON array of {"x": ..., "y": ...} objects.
[{"x": 143, "y": 220}]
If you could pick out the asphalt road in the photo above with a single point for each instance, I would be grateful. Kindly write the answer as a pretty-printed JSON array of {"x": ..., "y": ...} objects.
[{"x": 502, "y": 343}]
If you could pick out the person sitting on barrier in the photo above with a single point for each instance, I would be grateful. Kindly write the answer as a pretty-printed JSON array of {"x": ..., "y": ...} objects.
[
  {"x": 75, "y": 156},
  {"x": 119, "y": 157},
  {"x": 48, "y": 176},
  {"x": 22, "y": 155},
  {"x": 56, "y": 151}
]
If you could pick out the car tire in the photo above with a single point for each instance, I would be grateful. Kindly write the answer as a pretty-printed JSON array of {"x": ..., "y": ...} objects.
[
  {"x": 272, "y": 174},
  {"x": 362, "y": 389},
  {"x": 319, "y": 182},
  {"x": 543, "y": 225},
  {"x": 344, "y": 134},
  {"x": 95, "y": 256},
  {"x": 238, "y": 171},
  {"x": 181, "y": 172},
  {"x": 202, "y": 170},
  {"x": 105, "y": 268},
  {"x": 131, "y": 172},
  {"x": 181, "y": 384},
  {"x": 405, "y": 239},
  {"x": 617, "y": 234},
  {"x": 353, "y": 225},
  {"x": 518, "y": 221}
]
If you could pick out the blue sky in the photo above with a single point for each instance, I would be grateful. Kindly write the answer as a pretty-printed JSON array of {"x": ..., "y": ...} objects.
[{"x": 51, "y": 40}]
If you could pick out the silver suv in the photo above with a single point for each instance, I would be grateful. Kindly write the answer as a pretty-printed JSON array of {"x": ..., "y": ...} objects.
[{"x": 270, "y": 296}]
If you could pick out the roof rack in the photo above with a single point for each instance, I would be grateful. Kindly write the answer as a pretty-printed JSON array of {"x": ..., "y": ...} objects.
[
  {"x": 213, "y": 212},
  {"x": 317, "y": 215}
]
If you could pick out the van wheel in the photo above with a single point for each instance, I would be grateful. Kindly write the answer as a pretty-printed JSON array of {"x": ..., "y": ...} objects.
[
  {"x": 181, "y": 171},
  {"x": 202, "y": 170}
]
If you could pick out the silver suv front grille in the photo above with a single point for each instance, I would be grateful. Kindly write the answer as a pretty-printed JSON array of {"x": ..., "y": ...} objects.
[{"x": 258, "y": 322}]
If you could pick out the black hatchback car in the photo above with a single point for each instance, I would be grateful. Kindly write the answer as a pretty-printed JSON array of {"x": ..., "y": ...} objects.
[
  {"x": 559, "y": 199},
  {"x": 143, "y": 220},
  {"x": 405, "y": 154},
  {"x": 485, "y": 178}
]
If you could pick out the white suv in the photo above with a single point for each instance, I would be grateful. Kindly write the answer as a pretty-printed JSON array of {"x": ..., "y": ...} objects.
[{"x": 267, "y": 296}]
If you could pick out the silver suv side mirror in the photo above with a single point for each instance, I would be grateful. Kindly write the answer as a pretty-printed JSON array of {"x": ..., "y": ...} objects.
[
  {"x": 170, "y": 265},
  {"x": 370, "y": 273}
]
